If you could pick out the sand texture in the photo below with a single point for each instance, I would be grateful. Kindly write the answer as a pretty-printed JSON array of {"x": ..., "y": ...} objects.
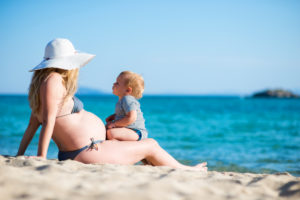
[{"x": 23, "y": 178}]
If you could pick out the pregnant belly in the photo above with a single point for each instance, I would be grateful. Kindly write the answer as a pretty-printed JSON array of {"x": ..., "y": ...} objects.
[{"x": 74, "y": 131}]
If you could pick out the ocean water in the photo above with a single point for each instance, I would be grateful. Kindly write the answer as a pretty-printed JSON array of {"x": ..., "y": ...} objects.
[{"x": 231, "y": 134}]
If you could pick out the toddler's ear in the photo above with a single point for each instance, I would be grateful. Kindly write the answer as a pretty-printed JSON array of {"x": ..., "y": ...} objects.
[{"x": 129, "y": 90}]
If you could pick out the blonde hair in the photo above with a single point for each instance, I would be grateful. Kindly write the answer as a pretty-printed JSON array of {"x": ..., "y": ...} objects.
[
  {"x": 135, "y": 81},
  {"x": 69, "y": 81}
]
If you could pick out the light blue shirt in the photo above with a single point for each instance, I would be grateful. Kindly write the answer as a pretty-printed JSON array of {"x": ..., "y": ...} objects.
[{"x": 127, "y": 104}]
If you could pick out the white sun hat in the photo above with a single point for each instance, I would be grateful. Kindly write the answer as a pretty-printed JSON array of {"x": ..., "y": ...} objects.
[{"x": 60, "y": 53}]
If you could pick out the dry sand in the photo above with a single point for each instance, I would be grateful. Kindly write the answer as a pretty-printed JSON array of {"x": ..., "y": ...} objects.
[{"x": 23, "y": 178}]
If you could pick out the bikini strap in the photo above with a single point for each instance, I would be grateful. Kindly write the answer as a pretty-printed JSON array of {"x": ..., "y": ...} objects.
[{"x": 93, "y": 144}]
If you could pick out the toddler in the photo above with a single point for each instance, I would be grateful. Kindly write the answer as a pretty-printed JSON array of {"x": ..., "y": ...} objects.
[{"x": 128, "y": 122}]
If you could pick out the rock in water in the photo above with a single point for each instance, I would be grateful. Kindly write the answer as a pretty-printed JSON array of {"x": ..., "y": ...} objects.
[{"x": 277, "y": 93}]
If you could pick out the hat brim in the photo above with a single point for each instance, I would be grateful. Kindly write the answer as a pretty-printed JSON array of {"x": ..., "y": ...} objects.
[{"x": 68, "y": 63}]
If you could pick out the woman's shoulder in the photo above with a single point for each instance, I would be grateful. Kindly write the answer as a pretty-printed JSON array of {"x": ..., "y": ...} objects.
[
  {"x": 53, "y": 82},
  {"x": 53, "y": 79}
]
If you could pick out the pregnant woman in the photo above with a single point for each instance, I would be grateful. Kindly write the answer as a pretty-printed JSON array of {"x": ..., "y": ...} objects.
[{"x": 78, "y": 134}]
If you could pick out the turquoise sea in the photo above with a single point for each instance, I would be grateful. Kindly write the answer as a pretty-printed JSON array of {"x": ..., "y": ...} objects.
[{"x": 230, "y": 133}]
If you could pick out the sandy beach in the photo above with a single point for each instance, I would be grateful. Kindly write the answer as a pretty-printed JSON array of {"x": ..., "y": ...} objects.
[{"x": 23, "y": 178}]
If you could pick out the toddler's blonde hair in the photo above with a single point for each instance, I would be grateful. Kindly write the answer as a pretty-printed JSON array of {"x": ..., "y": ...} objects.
[{"x": 135, "y": 81}]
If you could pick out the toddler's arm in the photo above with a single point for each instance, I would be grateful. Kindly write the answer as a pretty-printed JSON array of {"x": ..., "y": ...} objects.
[
  {"x": 110, "y": 118},
  {"x": 125, "y": 121}
]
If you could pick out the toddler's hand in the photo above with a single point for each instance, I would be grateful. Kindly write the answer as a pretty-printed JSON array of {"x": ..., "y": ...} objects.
[
  {"x": 110, "y": 124},
  {"x": 110, "y": 118},
  {"x": 107, "y": 124}
]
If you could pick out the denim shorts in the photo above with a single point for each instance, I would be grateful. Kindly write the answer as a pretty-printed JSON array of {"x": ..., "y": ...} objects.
[{"x": 141, "y": 134}]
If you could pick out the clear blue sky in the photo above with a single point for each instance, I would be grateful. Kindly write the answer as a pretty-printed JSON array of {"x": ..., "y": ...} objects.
[{"x": 183, "y": 47}]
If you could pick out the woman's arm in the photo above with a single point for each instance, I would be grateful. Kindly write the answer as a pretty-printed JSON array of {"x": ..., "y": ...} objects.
[
  {"x": 125, "y": 121},
  {"x": 51, "y": 97},
  {"x": 28, "y": 135}
]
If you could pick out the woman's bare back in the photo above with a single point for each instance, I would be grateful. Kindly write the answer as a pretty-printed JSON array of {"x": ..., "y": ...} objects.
[{"x": 71, "y": 131}]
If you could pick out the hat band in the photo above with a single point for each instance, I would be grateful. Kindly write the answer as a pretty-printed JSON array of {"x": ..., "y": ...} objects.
[{"x": 54, "y": 57}]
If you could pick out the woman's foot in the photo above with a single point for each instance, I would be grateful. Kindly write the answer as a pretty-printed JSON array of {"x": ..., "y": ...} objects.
[
  {"x": 201, "y": 167},
  {"x": 146, "y": 162}
]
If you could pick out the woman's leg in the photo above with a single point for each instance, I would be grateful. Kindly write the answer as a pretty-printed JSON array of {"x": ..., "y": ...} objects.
[{"x": 130, "y": 152}]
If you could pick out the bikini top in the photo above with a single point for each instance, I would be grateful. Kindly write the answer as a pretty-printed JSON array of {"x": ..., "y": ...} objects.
[{"x": 78, "y": 106}]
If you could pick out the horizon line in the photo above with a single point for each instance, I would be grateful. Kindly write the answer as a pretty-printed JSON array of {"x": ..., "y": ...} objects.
[{"x": 149, "y": 95}]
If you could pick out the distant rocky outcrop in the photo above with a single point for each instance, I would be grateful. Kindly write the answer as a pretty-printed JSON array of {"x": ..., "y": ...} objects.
[{"x": 277, "y": 93}]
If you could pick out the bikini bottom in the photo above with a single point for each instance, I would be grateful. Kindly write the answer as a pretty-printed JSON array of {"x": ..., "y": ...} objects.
[{"x": 64, "y": 155}]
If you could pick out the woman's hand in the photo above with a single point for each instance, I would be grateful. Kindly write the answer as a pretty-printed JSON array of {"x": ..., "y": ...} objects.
[{"x": 40, "y": 157}]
